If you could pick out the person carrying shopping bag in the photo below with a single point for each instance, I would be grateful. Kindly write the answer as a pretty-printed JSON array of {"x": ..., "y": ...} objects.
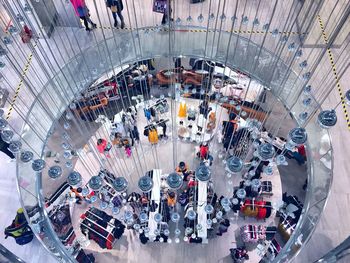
[
  {"x": 116, "y": 7},
  {"x": 83, "y": 13}
]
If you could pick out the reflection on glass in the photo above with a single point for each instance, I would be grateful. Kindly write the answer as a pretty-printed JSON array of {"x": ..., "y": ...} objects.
[
  {"x": 327, "y": 118},
  {"x": 26, "y": 156},
  {"x": 143, "y": 217},
  {"x": 200, "y": 18},
  {"x": 211, "y": 17},
  {"x": 120, "y": 184},
  {"x": 158, "y": 217},
  {"x": 3, "y": 123},
  {"x": 191, "y": 215},
  {"x": 74, "y": 178},
  {"x": 203, "y": 173},
  {"x": 54, "y": 172},
  {"x": 6, "y": 135},
  {"x": 177, "y": 231},
  {"x": 299, "y": 53},
  {"x": 266, "y": 151},
  {"x": 175, "y": 217},
  {"x": 223, "y": 17},
  {"x": 174, "y": 181},
  {"x": 15, "y": 146},
  {"x": 95, "y": 183},
  {"x": 297, "y": 136},
  {"x": 115, "y": 210},
  {"x": 241, "y": 193},
  {"x": 234, "y": 164},
  {"x": 245, "y": 20},
  {"x": 38, "y": 165},
  {"x": 145, "y": 184}
]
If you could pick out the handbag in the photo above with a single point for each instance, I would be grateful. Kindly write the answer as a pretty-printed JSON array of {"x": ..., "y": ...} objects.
[{"x": 114, "y": 8}]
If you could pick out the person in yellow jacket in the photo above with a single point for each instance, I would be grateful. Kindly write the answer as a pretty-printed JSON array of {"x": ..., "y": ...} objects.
[
  {"x": 153, "y": 136},
  {"x": 182, "y": 110},
  {"x": 183, "y": 170},
  {"x": 211, "y": 122},
  {"x": 171, "y": 199}
]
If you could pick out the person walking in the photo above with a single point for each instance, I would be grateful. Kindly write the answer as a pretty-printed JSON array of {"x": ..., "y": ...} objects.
[
  {"x": 104, "y": 147},
  {"x": 128, "y": 150},
  {"x": 116, "y": 7},
  {"x": 83, "y": 13},
  {"x": 203, "y": 151}
]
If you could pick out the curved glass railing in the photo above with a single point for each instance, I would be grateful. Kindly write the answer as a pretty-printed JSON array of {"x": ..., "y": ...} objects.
[
  {"x": 7, "y": 256},
  {"x": 128, "y": 47}
]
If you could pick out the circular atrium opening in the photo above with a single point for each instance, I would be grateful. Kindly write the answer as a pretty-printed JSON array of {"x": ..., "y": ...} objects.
[{"x": 172, "y": 151}]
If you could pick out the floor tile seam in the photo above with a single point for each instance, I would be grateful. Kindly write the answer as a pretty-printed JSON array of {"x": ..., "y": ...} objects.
[{"x": 338, "y": 85}]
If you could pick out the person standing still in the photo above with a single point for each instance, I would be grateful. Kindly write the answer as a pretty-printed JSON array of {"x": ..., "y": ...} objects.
[
  {"x": 4, "y": 147},
  {"x": 116, "y": 7},
  {"x": 82, "y": 12},
  {"x": 167, "y": 13}
]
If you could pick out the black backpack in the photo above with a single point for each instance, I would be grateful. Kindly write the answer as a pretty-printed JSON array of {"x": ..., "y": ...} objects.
[{"x": 22, "y": 233}]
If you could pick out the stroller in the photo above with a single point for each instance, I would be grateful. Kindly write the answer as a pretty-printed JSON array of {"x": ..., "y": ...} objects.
[{"x": 239, "y": 255}]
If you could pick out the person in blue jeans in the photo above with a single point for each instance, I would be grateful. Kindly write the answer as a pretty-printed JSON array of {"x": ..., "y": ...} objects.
[
  {"x": 116, "y": 7},
  {"x": 83, "y": 13}
]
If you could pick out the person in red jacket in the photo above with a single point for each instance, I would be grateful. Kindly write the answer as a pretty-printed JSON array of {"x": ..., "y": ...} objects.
[
  {"x": 103, "y": 147},
  {"x": 298, "y": 153},
  {"x": 301, "y": 150},
  {"x": 203, "y": 153},
  {"x": 192, "y": 182}
]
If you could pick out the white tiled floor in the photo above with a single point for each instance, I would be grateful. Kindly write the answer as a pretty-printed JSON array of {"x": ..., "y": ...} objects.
[{"x": 9, "y": 203}]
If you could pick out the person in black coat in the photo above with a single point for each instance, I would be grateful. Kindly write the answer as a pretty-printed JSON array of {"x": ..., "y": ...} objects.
[
  {"x": 143, "y": 238},
  {"x": 166, "y": 14},
  {"x": 223, "y": 227},
  {"x": 4, "y": 148},
  {"x": 116, "y": 7},
  {"x": 204, "y": 107}
]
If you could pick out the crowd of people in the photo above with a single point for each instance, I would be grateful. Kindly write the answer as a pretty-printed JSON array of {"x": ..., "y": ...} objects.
[
  {"x": 82, "y": 11},
  {"x": 116, "y": 7}
]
